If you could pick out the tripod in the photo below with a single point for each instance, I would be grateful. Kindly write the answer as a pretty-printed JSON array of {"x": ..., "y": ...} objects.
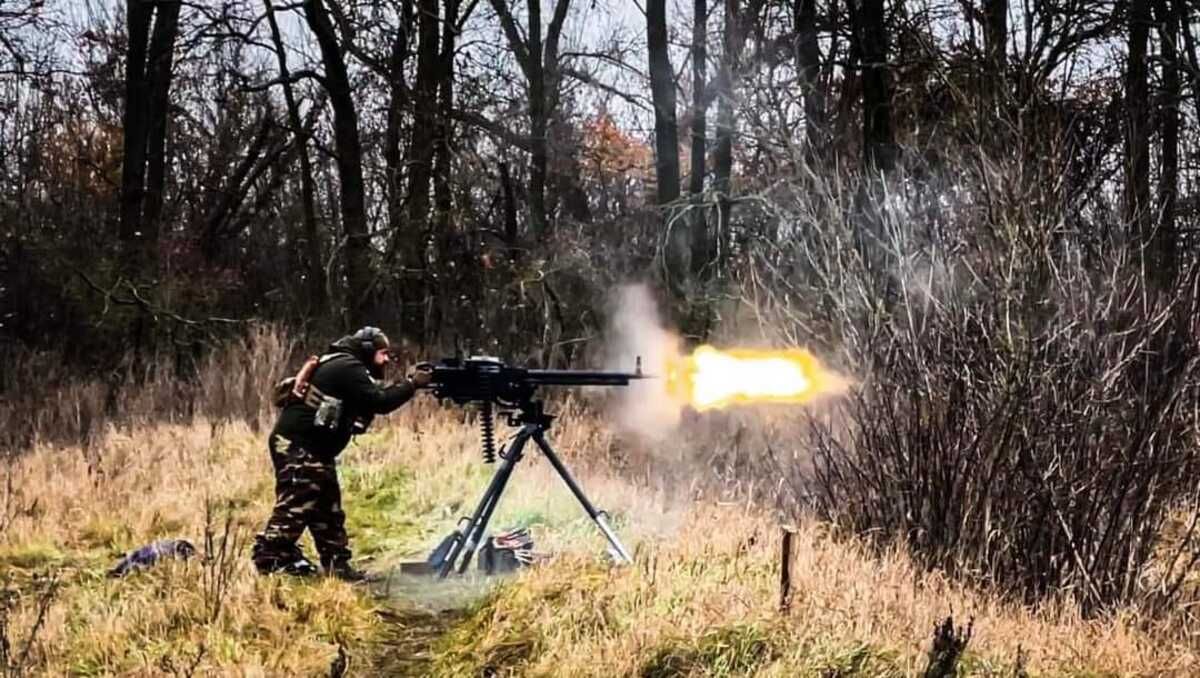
[{"x": 534, "y": 424}]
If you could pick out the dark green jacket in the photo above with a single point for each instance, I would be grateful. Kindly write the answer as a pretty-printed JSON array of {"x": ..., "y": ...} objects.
[{"x": 341, "y": 375}]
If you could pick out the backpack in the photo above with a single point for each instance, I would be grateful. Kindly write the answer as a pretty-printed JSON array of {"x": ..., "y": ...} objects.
[{"x": 292, "y": 389}]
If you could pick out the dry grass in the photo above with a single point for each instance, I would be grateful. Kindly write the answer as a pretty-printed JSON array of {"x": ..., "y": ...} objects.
[
  {"x": 701, "y": 599},
  {"x": 707, "y": 599},
  {"x": 81, "y": 510}
]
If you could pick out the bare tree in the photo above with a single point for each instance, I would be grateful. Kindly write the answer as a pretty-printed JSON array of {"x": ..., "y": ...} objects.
[
  {"x": 349, "y": 161},
  {"x": 666, "y": 127},
  {"x": 537, "y": 54},
  {"x": 808, "y": 64},
  {"x": 312, "y": 243},
  {"x": 730, "y": 56},
  {"x": 700, "y": 242},
  {"x": 152, "y": 28},
  {"x": 1137, "y": 125},
  {"x": 1165, "y": 235},
  {"x": 871, "y": 38}
]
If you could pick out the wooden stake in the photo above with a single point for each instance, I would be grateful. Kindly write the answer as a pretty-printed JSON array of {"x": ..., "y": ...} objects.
[{"x": 785, "y": 570}]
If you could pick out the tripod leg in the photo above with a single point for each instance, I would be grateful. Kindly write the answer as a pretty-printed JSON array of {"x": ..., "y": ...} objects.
[
  {"x": 483, "y": 512},
  {"x": 597, "y": 516}
]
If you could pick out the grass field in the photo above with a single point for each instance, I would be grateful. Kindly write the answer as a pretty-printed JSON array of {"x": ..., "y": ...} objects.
[{"x": 701, "y": 599}]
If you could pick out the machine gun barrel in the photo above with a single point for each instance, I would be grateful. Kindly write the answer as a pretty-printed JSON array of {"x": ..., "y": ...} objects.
[{"x": 581, "y": 378}]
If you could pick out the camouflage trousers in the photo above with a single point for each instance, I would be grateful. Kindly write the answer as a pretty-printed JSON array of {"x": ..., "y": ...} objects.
[{"x": 306, "y": 496}]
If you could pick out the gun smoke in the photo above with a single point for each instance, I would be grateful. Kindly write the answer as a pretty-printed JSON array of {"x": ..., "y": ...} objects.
[{"x": 636, "y": 330}]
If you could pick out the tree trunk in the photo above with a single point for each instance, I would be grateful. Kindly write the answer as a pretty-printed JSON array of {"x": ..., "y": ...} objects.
[
  {"x": 995, "y": 35},
  {"x": 565, "y": 182},
  {"x": 666, "y": 138},
  {"x": 313, "y": 270},
  {"x": 419, "y": 161},
  {"x": 443, "y": 201},
  {"x": 808, "y": 64},
  {"x": 869, "y": 31},
  {"x": 349, "y": 162},
  {"x": 421, "y": 148},
  {"x": 455, "y": 273},
  {"x": 1189, "y": 42},
  {"x": 138, "y": 16},
  {"x": 510, "y": 212},
  {"x": 995, "y": 47},
  {"x": 159, "y": 62},
  {"x": 537, "y": 123},
  {"x": 701, "y": 254},
  {"x": 1137, "y": 127},
  {"x": 725, "y": 106},
  {"x": 662, "y": 88},
  {"x": 1165, "y": 235},
  {"x": 398, "y": 104}
]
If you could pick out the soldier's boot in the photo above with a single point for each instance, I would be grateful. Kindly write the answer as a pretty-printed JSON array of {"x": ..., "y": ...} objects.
[
  {"x": 341, "y": 568},
  {"x": 272, "y": 557}
]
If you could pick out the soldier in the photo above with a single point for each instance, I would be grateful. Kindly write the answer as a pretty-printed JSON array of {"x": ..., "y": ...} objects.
[{"x": 333, "y": 397}]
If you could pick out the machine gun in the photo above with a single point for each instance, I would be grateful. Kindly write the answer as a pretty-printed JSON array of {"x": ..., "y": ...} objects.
[{"x": 496, "y": 386}]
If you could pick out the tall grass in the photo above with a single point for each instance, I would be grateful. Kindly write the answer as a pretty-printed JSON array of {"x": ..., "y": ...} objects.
[{"x": 42, "y": 399}]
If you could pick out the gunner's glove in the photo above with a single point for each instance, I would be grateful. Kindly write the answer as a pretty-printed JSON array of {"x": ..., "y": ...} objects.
[{"x": 421, "y": 375}]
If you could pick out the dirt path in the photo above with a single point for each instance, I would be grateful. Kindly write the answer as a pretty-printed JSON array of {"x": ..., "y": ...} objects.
[
  {"x": 408, "y": 648},
  {"x": 418, "y": 611}
]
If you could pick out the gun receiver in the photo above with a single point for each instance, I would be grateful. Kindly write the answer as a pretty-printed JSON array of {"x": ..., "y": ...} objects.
[{"x": 483, "y": 379}]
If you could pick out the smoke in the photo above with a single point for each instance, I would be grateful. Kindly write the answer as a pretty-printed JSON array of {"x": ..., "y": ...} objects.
[{"x": 636, "y": 330}]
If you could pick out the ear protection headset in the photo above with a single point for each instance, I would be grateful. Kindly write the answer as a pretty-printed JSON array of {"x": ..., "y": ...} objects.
[{"x": 366, "y": 339}]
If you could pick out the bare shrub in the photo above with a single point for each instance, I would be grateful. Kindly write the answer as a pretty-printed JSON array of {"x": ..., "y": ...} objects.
[
  {"x": 235, "y": 381},
  {"x": 40, "y": 396},
  {"x": 19, "y": 651},
  {"x": 220, "y": 560},
  {"x": 1026, "y": 412}
]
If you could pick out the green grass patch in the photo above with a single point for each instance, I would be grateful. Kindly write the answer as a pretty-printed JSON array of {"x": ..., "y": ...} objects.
[
  {"x": 380, "y": 516},
  {"x": 156, "y": 622},
  {"x": 488, "y": 641},
  {"x": 858, "y": 660},
  {"x": 106, "y": 533},
  {"x": 31, "y": 555},
  {"x": 735, "y": 650}
]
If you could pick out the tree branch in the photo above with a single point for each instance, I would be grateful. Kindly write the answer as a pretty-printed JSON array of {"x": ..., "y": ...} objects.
[
  {"x": 471, "y": 118},
  {"x": 136, "y": 299},
  {"x": 589, "y": 80},
  {"x": 515, "y": 41},
  {"x": 293, "y": 78}
]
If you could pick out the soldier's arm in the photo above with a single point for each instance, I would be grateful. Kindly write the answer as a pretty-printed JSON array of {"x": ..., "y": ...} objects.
[{"x": 365, "y": 395}]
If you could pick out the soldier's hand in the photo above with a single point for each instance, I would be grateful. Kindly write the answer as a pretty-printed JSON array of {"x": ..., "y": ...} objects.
[{"x": 421, "y": 375}]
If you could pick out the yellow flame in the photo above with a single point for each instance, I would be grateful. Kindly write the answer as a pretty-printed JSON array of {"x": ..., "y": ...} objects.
[{"x": 710, "y": 378}]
